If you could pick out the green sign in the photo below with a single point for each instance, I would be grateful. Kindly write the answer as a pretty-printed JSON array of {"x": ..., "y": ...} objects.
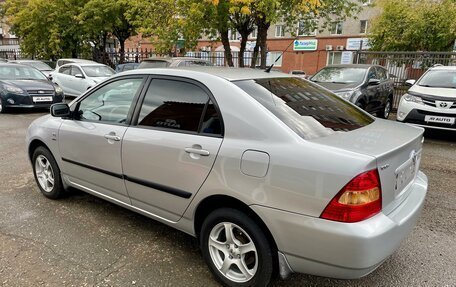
[{"x": 305, "y": 45}]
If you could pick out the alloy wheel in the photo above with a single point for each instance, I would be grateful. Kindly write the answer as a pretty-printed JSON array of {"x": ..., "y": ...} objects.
[
  {"x": 44, "y": 173},
  {"x": 387, "y": 110},
  {"x": 233, "y": 252}
]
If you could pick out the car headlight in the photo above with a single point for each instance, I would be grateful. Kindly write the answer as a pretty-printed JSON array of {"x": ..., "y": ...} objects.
[
  {"x": 346, "y": 95},
  {"x": 13, "y": 89},
  {"x": 58, "y": 90},
  {"x": 414, "y": 99}
]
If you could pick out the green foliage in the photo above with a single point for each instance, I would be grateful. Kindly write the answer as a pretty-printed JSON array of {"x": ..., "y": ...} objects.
[{"x": 414, "y": 25}]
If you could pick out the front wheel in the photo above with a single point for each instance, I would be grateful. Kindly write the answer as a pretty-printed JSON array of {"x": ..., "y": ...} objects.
[
  {"x": 47, "y": 173},
  {"x": 236, "y": 249}
]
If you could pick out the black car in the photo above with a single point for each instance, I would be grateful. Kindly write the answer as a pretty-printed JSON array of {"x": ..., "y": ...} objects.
[
  {"x": 23, "y": 86},
  {"x": 367, "y": 86}
]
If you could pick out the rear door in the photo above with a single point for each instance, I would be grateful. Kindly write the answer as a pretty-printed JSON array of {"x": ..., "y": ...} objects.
[
  {"x": 62, "y": 78},
  {"x": 167, "y": 156},
  {"x": 90, "y": 144},
  {"x": 77, "y": 84}
]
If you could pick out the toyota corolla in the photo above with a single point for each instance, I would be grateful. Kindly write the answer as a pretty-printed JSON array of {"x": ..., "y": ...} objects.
[{"x": 271, "y": 173}]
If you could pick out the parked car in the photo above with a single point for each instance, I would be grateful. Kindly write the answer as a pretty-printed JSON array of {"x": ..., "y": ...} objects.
[
  {"x": 41, "y": 66},
  {"x": 61, "y": 62},
  {"x": 367, "y": 86},
  {"x": 126, "y": 67},
  {"x": 157, "y": 62},
  {"x": 75, "y": 79},
  {"x": 22, "y": 86},
  {"x": 431, "y": 101},
  {"x": 270, "y": 172}
]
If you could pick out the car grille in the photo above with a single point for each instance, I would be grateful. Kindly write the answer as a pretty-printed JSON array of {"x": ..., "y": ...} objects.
[
  {"x": 41, "y": 93},
  {"x": 431, "y": 102}
]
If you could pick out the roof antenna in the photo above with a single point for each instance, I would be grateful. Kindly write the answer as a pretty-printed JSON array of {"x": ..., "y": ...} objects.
[{"x": 268, "y": 69}]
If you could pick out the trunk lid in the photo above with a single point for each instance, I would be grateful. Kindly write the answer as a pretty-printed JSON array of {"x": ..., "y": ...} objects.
[{"x": 397, "y": 149}]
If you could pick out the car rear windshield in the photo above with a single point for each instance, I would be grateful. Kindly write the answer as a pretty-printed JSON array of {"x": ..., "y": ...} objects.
[
  {"x": 342, "y": 75},
  {"x": 153, "y": 64},
  {"x": 306, "y": 108},
  {"x": 439, "y": 79}
]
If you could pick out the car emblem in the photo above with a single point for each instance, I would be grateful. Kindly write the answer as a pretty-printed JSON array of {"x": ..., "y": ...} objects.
[
  {"x": 40, "y": 92},
  {"x": 443, "y": 105}
]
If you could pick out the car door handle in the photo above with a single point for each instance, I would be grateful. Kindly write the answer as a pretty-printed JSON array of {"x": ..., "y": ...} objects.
[
  {"x": 197, "y": 151},
  {"x": 112, "y": 137}
]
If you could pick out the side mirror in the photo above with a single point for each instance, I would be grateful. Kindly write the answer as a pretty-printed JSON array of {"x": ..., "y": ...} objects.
[
  {"x": 373, "y": 82},
  {"x": 60, "y": 110},
  {"x": 410, "y": 82},
  {"x": 80, "y": 76}
]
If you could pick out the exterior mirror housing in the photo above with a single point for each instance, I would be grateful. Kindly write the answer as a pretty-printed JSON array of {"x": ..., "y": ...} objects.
[
  {"x": 80, "y": 76},
  {"x": 373, "y": 82},
  {"x": 60, "y": 110},
  {"x": 410, "y": 82}
]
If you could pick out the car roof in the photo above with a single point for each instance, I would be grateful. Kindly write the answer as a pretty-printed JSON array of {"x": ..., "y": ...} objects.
[
  {"x": 25, "y": 61},
  {"x": 444, "y": 68},
  {"x": 11, "y": 64},
  {"x": 227, "y": 73},
  {"x": 75, "y": 60},
  {"x": 354, "y": 66},
  {"x": 171, "y": 59},
  {"x": 84, "y": 64}
]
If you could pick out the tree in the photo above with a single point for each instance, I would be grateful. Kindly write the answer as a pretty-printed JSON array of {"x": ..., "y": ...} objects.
[
  {"x": 413, "y": 25},
  {"x": 47, "y": 28}
]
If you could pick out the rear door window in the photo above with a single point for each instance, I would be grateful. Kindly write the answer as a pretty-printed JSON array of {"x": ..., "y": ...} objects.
[
  {"x": 179, "y": 106},
  {"x": 306, "y": 108}
]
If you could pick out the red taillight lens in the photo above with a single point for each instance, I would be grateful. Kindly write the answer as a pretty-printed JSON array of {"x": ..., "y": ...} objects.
[{"x": 360, "y": 199}]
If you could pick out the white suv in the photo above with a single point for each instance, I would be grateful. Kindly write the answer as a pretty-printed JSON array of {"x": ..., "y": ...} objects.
[{"x": 431, "y": 101}]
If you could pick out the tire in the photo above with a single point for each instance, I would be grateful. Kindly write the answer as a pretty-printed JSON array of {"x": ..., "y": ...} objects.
[
  {"x": 257, "y": 264},
  {"x": 360, "y": 105},
  {"x": 384, "y": 114},
  {"x": 47, "y": 173},
  {"x": 2, "y": 106}
]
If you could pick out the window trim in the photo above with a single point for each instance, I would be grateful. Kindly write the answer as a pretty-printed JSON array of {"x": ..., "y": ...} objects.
[
  {"x": 282, "y": 29},
  {"x": 361, "y": 26},
  {"x": 134, "y": 102},
  {"x": 140, "y": 101},
  {"x": 333, "y": 30}
]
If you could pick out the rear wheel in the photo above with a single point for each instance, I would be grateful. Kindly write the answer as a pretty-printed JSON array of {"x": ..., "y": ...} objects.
[
  {"x": 384, "y": 114},
  {"x": 47, "y": 173},
  {"x": 236, "y": 250}
]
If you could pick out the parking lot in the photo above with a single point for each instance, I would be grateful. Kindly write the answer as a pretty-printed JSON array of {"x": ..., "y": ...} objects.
[{"x": 85, "y": 241}]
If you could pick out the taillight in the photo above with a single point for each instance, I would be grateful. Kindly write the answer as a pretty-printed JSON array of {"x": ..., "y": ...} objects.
[{"x": 360, "y": 199}]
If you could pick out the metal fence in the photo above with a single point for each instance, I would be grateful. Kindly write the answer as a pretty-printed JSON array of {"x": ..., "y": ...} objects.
[
  {"x": 403, "y": 66},
  {"x": 218, "y": 58},
  {"x": 11, "y": 54}
]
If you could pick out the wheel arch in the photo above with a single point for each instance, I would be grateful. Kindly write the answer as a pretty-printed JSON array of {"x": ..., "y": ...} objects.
[
  {"x": 34, "y": 144},
  {"x": 213, "y": 202}
]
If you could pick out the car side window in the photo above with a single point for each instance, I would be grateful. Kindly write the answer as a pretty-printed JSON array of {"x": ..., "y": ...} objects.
[
  {"x": 176, "y": 105},
  {"x": 212, "y": 123},
  {"x": 65, "y": 70},
  {"x": 372, "y": 74},
  {"x": 75, "y": 71},
  {"x": 382, "y": 74},
  {"x": 111, "y": 103}
]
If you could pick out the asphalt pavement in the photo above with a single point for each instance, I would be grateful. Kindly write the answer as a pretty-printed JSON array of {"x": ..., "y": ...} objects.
[{"x": 84, "y": 241}]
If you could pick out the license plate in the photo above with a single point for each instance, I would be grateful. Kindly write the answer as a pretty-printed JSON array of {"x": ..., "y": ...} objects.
[
  {"x": 42, "y": 99},
  {"x": 440, "y": 120},
  {"x": 406, "y": 172}
]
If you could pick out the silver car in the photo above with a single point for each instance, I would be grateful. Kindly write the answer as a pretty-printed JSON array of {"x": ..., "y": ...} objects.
[{"x": 271, "y": 173}]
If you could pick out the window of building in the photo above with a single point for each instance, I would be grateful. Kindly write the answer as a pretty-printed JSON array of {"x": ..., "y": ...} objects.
[
  {"x": 334, "y": 58},
  {"x": 233, "y": 35},
  {"x": 254, "y": 33},
  {"x": 363, "y": 26},
  {"x": 336, "y": 28},
  {"x": 280, "y": 31},
  {"x": 272, "y": 57},
  {"x": 304, "y": 29}
]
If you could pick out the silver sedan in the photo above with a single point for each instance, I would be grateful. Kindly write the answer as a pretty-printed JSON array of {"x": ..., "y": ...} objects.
[{"x": 270, "y": 172}]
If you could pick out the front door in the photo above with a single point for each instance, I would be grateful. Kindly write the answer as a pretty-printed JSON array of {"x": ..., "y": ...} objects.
[
  {"x": 90, "y": 144},
  {"x": 168, "y": 155}
]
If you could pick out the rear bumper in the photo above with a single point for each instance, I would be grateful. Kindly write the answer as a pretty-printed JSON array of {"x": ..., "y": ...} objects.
[{"x": 343, "y": 250}]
